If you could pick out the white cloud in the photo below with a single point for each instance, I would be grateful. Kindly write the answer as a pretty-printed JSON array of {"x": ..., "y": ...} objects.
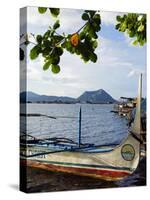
[
  {"x": 131, "y": 73},
  {"x": 109, "y": 18},
  {"x": 36, "y": 19},
  {"x": 135, "y": 72},
  {"x": 112, "y": 54},
  {"x": 70, "y": 20}
]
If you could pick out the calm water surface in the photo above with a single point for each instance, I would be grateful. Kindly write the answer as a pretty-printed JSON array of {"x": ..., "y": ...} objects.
[{"x": 99, "y": 125}]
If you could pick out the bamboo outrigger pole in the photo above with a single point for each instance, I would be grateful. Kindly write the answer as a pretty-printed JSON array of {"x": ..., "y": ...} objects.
[
  {"x": 136, "y": 128},
  {"x": 79, "y": 142}
]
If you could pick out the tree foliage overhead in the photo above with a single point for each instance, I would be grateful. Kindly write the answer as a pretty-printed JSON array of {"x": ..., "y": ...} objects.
[
  {"x": 83, "y": 42},
  {"x": 134, "y": 25},
  {"x": 54, "y": 11}
]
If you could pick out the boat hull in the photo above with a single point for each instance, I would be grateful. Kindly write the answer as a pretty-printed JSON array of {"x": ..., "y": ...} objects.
[
  {"x": 113, "y": 165},
  {"x": 101, "y": 173}
]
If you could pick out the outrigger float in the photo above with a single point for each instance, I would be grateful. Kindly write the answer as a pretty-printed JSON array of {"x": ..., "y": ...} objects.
[{"x": 64, "y": 155}]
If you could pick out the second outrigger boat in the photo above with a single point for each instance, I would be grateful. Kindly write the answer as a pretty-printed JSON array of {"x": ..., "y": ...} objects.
[{"x": 64, "y": 155}]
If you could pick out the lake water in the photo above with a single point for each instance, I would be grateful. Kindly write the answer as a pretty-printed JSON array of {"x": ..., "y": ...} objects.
[{"x": 99, "y": 126}]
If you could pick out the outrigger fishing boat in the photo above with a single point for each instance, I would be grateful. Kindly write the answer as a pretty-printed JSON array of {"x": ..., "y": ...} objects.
[{"x": 64, "y": 155}]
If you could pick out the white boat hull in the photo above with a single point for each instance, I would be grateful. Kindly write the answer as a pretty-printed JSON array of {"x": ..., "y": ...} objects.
[{"x": 113, "y": 165}]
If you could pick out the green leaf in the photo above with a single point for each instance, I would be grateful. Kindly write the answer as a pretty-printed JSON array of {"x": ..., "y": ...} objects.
[
  {"x": 82, "y": 35},
  {"x": 68, "y": 45},
  {"x": 85, "y": 58},
  {"x": 117, "y": 26},
  {"x": 92, "y": 33},
  {"x": 55, "y": 11},
  {"x": 123, "y": 27},
  {"x": 96, "y": 26},
  {"x": 135, "y": 42},
  {"x": 42, "y": 10},
  {"x": 140, "y": 28},
  {"x": 95, "y": 44},
  {"x": 59, "y": 51},
  {"x": 85, "y": 16},
  {"x": 131, "y": 33},
  {"x": 34, "y": 52},
  {"x": 47, "y": 34},
  {"x": 55, "y": 59},
  {"x": 84, "y": 51},
  {"x": 47, "y": 65},
  {"x": 86, "y": 28},
  {"x": 93, "y": 57},
  {"x": 47, "y": 43},
  {"x": 56, "y": 25},
  {"x": 57, "y": 38},
  {"x": 134, "y": 25},
  {"x": 63, "y": 45},
  {"x": 88, "y": 44},
  {"x": 77, "y": 50},
  {"x": 142, "y": 42},
  {"x": 39, "y": 38},
  {"x": 97, "y": 19},
  {"x": 119, "y": 18},
  {"x": 46, "y": 51},
  {"x": 55, "y": 69},
  {"x": 91, "y": 12}
]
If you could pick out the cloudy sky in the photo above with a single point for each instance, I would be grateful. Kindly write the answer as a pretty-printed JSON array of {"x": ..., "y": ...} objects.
[{"x": 116, "y": 70}]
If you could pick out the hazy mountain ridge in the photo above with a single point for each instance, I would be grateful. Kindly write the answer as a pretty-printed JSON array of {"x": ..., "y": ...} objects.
[
  {"x": 98, "y": 96},
  {"x": 95, "y": 97}
]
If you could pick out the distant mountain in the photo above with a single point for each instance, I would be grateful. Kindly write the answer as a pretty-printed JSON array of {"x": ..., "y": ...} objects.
[
  {"x": 28, "y": 96},
  {"x": 98, "y": 96},
  {"x": 33, "y": 97}
]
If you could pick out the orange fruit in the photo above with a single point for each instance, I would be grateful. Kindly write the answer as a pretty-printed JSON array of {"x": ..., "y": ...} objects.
[{"x": 74, "y": 39}]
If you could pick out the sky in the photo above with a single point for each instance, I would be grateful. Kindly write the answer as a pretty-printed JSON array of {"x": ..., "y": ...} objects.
[{"x": 116, "y": 70}]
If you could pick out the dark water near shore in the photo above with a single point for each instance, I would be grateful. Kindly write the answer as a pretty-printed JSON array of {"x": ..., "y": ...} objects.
[{"x": 99, "y": 126}]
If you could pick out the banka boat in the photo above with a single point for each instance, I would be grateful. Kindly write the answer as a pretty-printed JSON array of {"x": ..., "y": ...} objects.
[{"x": 105, "y": 162}]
